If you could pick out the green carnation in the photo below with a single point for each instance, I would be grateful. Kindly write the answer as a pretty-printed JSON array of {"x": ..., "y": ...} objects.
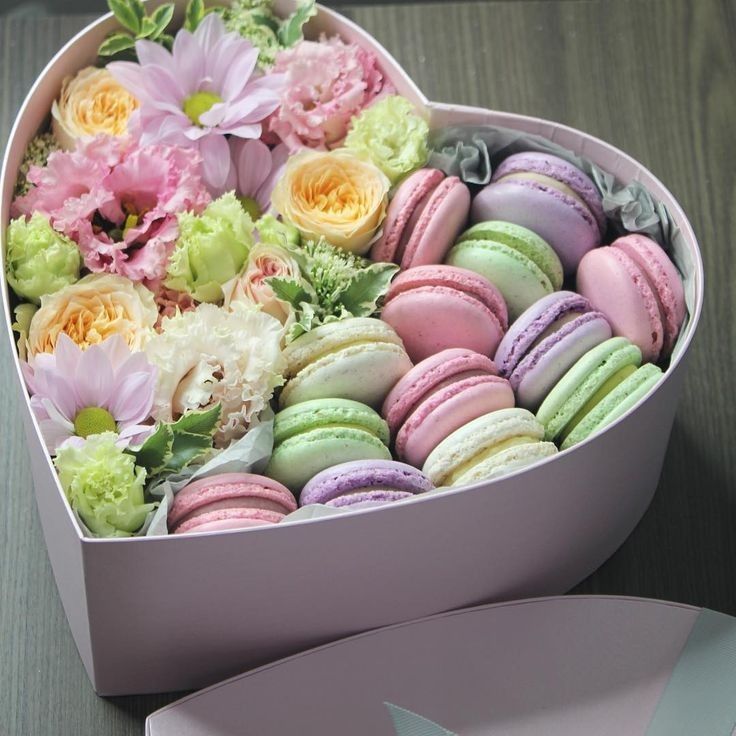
[
  {"x": 39, "y": 260},
  {"x": 104, "y": 486},
  {"x": 36, "y": 154},
  {"x": 392, "y": 135},
  {"x": 275, "y": 232},
  {"x": 211, "y": 249}
]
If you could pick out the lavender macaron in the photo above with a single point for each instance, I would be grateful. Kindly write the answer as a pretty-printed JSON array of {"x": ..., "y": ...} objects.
[
  {"x": 545, "y": 341},
  {"x": 364, "y": 484},
  {"x": 550, "y": 196}
]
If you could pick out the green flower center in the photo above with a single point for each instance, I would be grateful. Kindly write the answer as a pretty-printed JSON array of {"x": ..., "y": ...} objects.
[
  {"x": 198, "y": 104},
  {"x": 251, "y": 207},
  {"x": 94, "y": 420}
]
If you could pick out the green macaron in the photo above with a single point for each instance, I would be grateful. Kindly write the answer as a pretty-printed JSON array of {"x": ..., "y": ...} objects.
[
  {"x": 522, "y": 265},
  {"x": 317, "y": 434},
  {"x": 593, "y": 377}
]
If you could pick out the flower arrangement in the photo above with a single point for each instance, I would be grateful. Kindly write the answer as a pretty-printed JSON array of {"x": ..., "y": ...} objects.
[{"x": 189, "y": 212}]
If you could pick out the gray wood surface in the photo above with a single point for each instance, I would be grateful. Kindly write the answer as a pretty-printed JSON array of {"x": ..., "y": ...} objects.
[{"x": 654, "y": 77}]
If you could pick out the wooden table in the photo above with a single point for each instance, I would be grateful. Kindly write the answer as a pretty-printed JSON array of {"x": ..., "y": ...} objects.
[{"x": 654, "y": 77}]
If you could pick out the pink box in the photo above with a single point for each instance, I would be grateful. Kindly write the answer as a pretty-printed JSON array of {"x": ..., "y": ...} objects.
[
  {"x": 571, "y": 666},
  {"x": 137, "y": 623}
]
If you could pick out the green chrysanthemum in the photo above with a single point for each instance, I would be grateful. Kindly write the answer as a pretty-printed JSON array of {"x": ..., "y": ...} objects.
[
  {"x": 104, "y": 485},
  {"x": 392, "y": 135}
]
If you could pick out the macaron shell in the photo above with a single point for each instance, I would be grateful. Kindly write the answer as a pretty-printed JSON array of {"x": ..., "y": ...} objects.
[
  {"x": 519, "y": 279},
  {"x": 532, "y": 323},
  {"x": 563, "y": 222},
  {"x": 519, "y": 238},
  {"x": 434, "y": 318},
  {"x": 301, "y": 457},
  {"x": 227, "y": 519},
  {"x": 327, "y": 413},
  {"x": 446, "y": 411},
  {"x": 443, "y": 218},
  {"x": 472, "y": 439},
  {"x": 615, "y": 285},
  {"x": 544, "y": 366},
  {"x": 561, "y": 170},
  {"x": 363, "y": 475},
  {"x": 405, "y": 202},
  {"x": 664, "y": 279},
  {"x": 628, "y": 393},
  {"x": 581, "y": 382},
  {"x": 368, "y": 499},
  {"x": 507, "y": 461},
  {"x": 426, "y": 376},
  {"x": 363, "y": 372}
]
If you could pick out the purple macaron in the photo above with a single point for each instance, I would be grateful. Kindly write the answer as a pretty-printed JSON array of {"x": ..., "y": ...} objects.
[
  {"x": 550, "y": 196},
  {"x": 364, "y": 483},
  {"x": 545, "y": 341}
]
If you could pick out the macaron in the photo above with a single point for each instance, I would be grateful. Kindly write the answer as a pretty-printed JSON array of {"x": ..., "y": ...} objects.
[
  {"x": 314, "y": 435},
  {"x": 433, "y": 308},
  {"x": 516, "y": 260},
  {"x": 229, "y": 501},
  {"x": 635, "y": 284},
  {"x": 364, "y": 484},
  {"x": 359, "y": 358},
  {"x": 488, "y": 447},
  {"x": 595, "y": 375},
  {"x": 550, "y": 196},
  {"x": 546, "y": 341},
  {"x": 438, "y": 396},
  {"x": 424, "y": 217}
]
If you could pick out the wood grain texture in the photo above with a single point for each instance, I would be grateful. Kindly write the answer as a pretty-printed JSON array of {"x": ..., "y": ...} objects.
[{"x": 654, "y": 77}]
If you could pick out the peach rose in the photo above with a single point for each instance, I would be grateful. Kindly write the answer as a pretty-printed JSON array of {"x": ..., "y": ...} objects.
[
  {"x": 265, "y": 261},
  {"x": 97, "y": 306},
  {"x": 334, "y": 195},
  {"x": 91, "y": 103}
]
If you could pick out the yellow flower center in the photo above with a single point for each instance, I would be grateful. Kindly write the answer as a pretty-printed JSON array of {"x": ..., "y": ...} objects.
[
  {"x": 251, "y": 207},
  {"x": 94, "y": 420},
  {"x": 198, "y": 104}
]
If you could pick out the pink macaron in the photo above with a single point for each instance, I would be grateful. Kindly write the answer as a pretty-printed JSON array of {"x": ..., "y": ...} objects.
[
  {"x": 438, "y": 396},
  {"x": 433, "y": 308},
  {"x": 549, "y": 196},
  {"x": 425, "y": 216},
  {"x": 635, "y": 284},
  {"x": 229, "y": 501}
]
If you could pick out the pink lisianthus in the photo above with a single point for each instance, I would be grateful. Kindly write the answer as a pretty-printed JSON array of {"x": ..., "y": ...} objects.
[
  {"x": 256, "y": 169},
  {"x": 327, "y": 83},
  {"x": 76, "y": 393},
  {"x": 118, "y": 201},
  {"x": 205, "y": 89}
]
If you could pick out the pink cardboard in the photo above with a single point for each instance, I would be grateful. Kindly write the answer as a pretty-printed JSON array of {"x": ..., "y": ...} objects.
[
  {"x": 572, "y": 666},
  {"x": 263, "y": 593}
]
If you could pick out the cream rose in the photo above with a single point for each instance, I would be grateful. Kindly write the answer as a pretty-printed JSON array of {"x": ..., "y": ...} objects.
[
  {"x": 97, "y": 306},
  {"x": 334, "y": 195},
  {"x": 251, "y": 286},
  {"x": 91, "y": 103}
]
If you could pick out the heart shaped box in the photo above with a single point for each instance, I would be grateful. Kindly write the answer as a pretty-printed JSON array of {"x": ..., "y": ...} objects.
[
  {"x": 154, "y": 614},
  {"x": 571, "y": 666}
]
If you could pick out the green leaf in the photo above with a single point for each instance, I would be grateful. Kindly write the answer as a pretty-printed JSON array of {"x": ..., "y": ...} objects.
[
  {"x": 290, "y": 291},
  {"x": 366, "y": 288},
  {"x": 265, "y": 20},
  {"x": 125, "y": 15},
  {"x": 166, "y": 41},
  {"x": 186, "y": 448},
  {"x": 138, "y": 8},
  {"x": 161, "y": 18},
  {"x": 147, "y": 28},
  {"x": 155, "y": 452},
  {"x": 193, "y": 15},
  {"x": 115, "y": 44},
  {"x": 198, "y": 422},
  {"x": 291, "y": 29}
]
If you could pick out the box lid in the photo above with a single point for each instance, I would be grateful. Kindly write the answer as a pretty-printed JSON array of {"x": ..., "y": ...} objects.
[{"x": 572, "y": 666}]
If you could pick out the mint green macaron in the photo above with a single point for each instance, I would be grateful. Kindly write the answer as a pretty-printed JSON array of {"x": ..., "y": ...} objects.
[
  {"x": 587, "y": 395},
  {"x": 523, "y": 266},
  {"x": 314, "y": 435}
]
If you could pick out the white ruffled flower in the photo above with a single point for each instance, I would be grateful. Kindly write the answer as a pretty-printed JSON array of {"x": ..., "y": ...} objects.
[{"x": 209, "y": 356}]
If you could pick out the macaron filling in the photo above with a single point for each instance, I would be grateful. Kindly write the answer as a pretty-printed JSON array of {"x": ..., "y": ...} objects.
[
  {"x": 547, "y": 181},
  {"x": 485, "y": 455}
]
